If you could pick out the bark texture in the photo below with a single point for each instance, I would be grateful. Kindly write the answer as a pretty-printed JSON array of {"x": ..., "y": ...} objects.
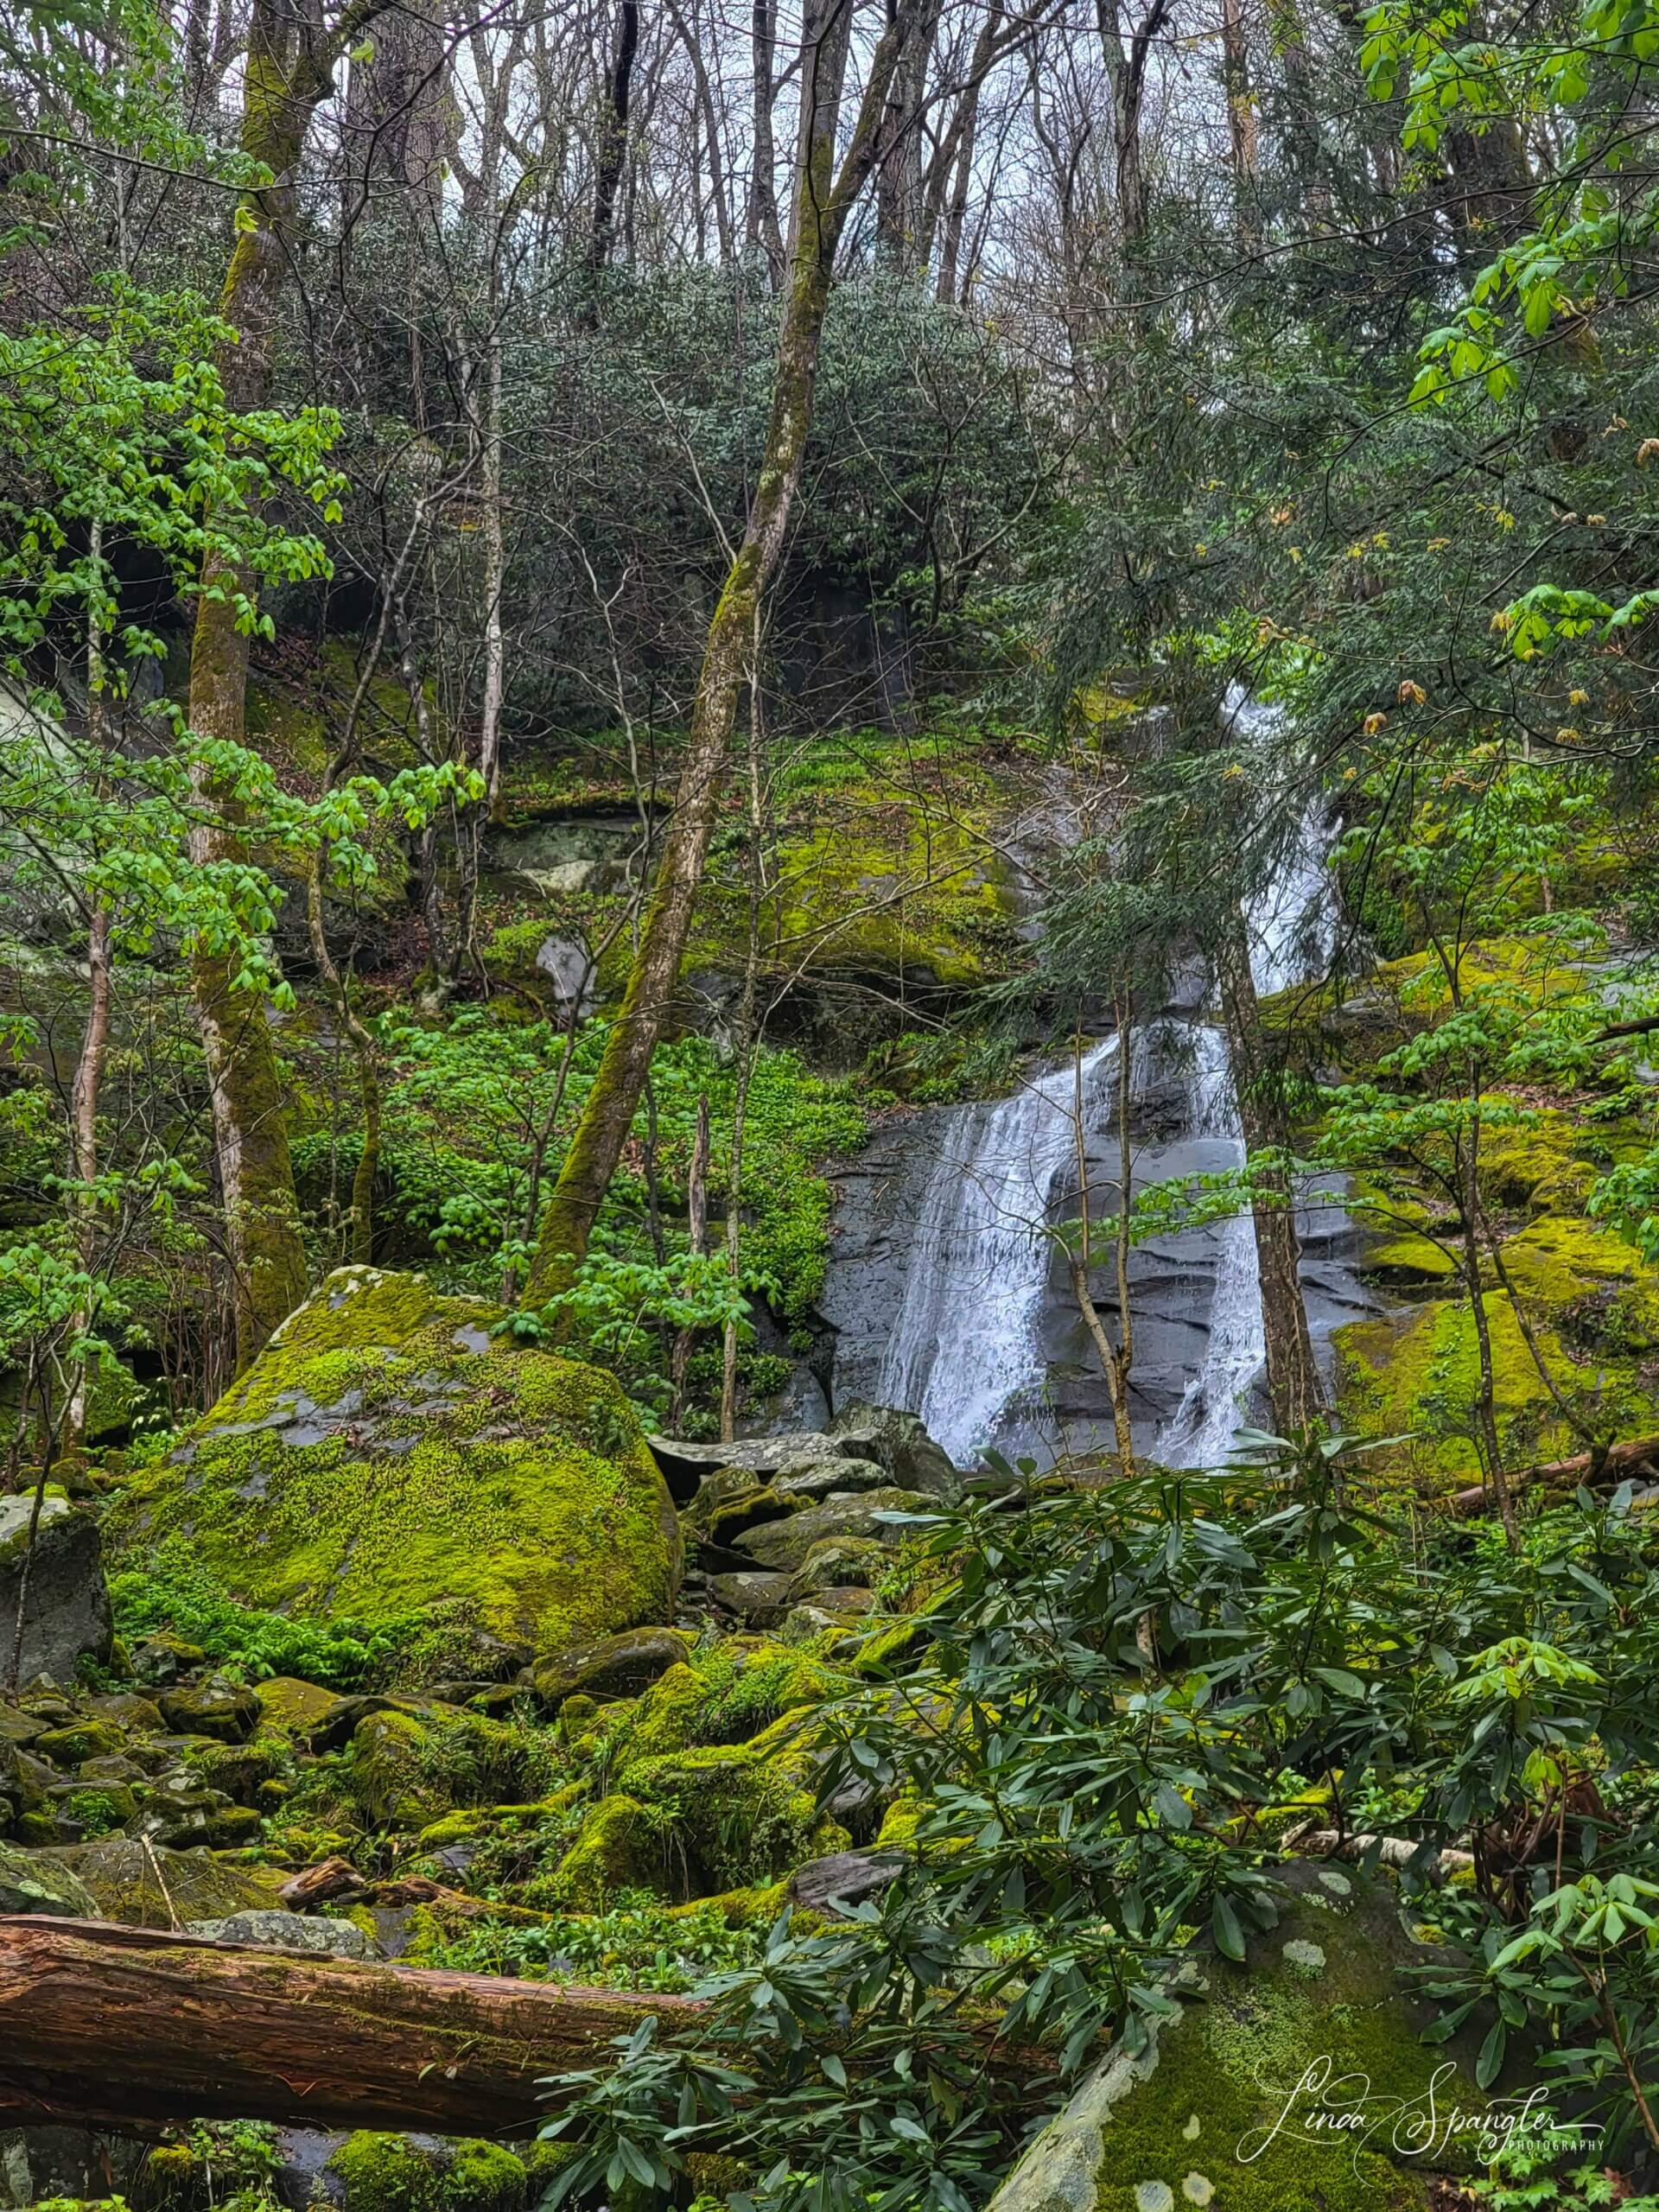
[
  {"x": 289, "y": 61},
  {"x": 135, "y": 2024}
]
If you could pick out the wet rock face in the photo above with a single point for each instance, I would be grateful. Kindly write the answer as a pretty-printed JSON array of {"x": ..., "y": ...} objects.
[
  {"x": 882, "y": 1206},
  {"x": 389, "y": 1457},
  {"x": 66, "y": 1605},
  {"x": 1237, "y": 2103}
]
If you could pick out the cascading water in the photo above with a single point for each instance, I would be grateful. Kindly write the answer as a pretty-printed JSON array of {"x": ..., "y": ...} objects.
[
  {"x": 965, "y": 1347},
  {"x": 1290, "y": 933},
  {"x": 978, "y": 1343}
]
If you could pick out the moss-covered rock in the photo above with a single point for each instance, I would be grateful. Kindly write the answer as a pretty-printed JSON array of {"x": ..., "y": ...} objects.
[
  {"x": 741, "y": 1814},
  {"x": 611, "y": 1666},
  {"x": 226, "y": 1711},
  {"x": 153, "y": 1887},
  {"x": 621, "y": 1846},
  {"x": 387, "y": 1457},
  {"x": 293, "y": 1708},
  {"x": 1296, "y": 2082},
  {"x": 1594, "y": 1310},
  {"x": 30, "y": 1882}
]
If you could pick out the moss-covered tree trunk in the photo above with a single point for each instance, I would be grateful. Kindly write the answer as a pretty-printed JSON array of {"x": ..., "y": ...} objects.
[
  {"x": 825, "y": 193},
  {"x": 289, "y": 58},
  {"x": 1293, "y": 1372}
]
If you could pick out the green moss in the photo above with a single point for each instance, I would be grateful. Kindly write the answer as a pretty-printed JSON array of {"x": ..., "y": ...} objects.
[
  {"x": 621, "y": 1846},
  {"x": 740, "y": 1812},
  {"x": 386, "y": 1455},
  {"x": 727, "y": 1695},
  {"x": 1214, "y": 2114},
  {"x": 483, "y": 2177},
  {"x": 1595, "y": 1309},
  {"x": 385, "y": 2173}
]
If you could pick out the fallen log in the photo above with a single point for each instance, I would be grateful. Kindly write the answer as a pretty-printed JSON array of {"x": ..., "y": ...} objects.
[
  {"x": 137, "y": 2026},
  {"x": 1391, "y": 1850},
  {"x": 1620, "y": 1459}
]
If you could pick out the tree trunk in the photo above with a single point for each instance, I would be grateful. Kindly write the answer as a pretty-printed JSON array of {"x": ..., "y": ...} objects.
[
  {"x": 955, "y": 158},
  {"x": 1636, "y": 1457},
  {"x": 1292, "y": 1374},
  {"x": 288, "y": 70},
  {"x": 696, "y": 1237},
  {"x": 1241, "y": 115},
  {"x": 898, "y": 214},
  {"x": 824, "y": 197},
  {"x": 136, "y": 2024},
  {"x": 1126, "y": 63},
  {"x": 613, "y": 134},
  {"x": 761, "y": 223},
  {"x": 1486, "y": 1403}
]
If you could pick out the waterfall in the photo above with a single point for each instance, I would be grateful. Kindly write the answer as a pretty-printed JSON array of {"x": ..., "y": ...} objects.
[
  {"x": 964, "y": 1350},
  {"x": 1292, "y": 930},
  {"x": 966, "y": 1347}
]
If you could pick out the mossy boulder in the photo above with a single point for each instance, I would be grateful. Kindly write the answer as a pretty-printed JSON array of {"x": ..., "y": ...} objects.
[
  {"x": 30, "y": 1882},
  {"x": 741, "y": 1814},
  {"x": 621, "y": 1846},
  {"x": 226, "y": 1711},
  {"x": 371, "y": 2171},
  {"x": 1297, "y": 2081},
  {"x": 153, "y": 1886},
  {"x": 390, "y": 1459},
  {"x": 611, "y": 1666}
]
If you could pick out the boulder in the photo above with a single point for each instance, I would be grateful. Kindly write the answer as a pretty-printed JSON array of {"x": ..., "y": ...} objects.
[
  {"x": 1297, "y": 2078},
  {"x": 31, "y": 1882},
  {"x": 845, "y": 1877},
  {"x": 153, "y": 1886},
  {"x": 613, "y": 1666},
  {"x": 900, "y": 1441},
  {"x": 782, "y": 1546},
  {"x": 761, "y": 1600},
  {"x": 216, "y": 1707},
  {"x": 388, "y": 1457},
  {"x": 66, "y": 1606}
]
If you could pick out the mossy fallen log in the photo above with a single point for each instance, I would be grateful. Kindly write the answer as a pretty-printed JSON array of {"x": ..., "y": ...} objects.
[
  {"x": 1615, "y": 1463},
  {"x": 137, "y": 2026}
]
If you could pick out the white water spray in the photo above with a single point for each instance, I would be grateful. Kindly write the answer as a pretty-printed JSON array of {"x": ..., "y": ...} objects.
[
  {"x": 1292, "y": 930},
  {"x": 964, "y": 1350}
]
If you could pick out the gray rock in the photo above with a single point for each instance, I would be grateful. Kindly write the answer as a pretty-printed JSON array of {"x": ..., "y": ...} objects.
[
  {"x": 900, "y": 1441},
  {"x": 840, "y": 1563},
  {"x": 273, "y": 1931},
  {"x": 38, "y": 2165},
  {"x": 30, "y": 1882},
  {"x": 783, "y": 1545},
  {"x": 66, "y": 1605},
  {"x": 820, "y": 1475},
  {"x": 833, "y": 1612},
  {"x": 761, "y": 1600},
  {"x": 217, "y": 1707},
  {"x": 845, "y": 1877},
  {"x": 612, "y": 1666}
]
